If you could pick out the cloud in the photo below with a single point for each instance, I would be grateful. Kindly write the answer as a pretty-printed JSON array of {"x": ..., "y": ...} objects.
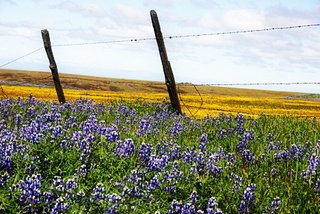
[
  {"x": 129, "y": 14},
  {"x": 205, "y": 4},
  {"x": 161, "y": 3},
  {"x": 288, "y": 46},
  {"x": 12, "y": 2},
  {"x": 87, "y": 10},
  {"x": 30, "y": 29},
  {"x": 124, "y": 22}
]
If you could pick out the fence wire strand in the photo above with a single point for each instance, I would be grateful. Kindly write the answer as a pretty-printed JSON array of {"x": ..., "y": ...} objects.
[
  {"x": 23, "y": 56},
  {"x": 189, "y": 35},
  {"x": 193, "y": 114},
  {"x": 243, "y": 31},
  {"x": 168, "y": 37},
  {"x": 255, "y": 84}
]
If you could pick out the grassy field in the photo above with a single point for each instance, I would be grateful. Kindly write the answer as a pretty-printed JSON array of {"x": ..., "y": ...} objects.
[
  {"x": 213, "y": 100},
  {"x": 85, "y": 157}
]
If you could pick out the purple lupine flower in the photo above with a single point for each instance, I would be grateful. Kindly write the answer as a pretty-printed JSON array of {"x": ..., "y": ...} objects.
[
  {"x": 176, "y": 130},
  {"x": 71, "y": 184},
  {"x": 212, "y": 202},
  {"x": 59, "y": 206},
  {"x": 58, "y": 184},
  {"x": 213, "y": 169},
  {"x": 297, "y": 151},
  {"x": 231, "y": 159},
  {"x": 4, "y": 178},
  {"x": 203, "y": 142},
  {"x": 188, "y": 208},
  {"x": 248, "y": 135},
  {"x": 98, "y": 193},
  {"x": 200, "y": 162},
  {"x": 175, "y": 207},
  {"x": 248, "y": 156},
  {"x": 242, "y": 145},
  {"x": 314, "y": 163},
  {"x": 171, "y": 189},
  {"x": 133, "y": 192},
  {"x": 222, "y": 133},
  {"x": 125, "y": 149},
  {"x": 274, "y": 207},
  {"x": 212, "y": 206},
  {"x": 171, "y": 177},
  {"x": 111, "y": 210},
  {"x": 189, "y": 155},
  {"x": 144, "y": 126},
  {"x": 137, "y": 177},
  {"x": 112, "y": 133},
  {"x": 282, "y": 156},
  {"x": 71, "y": 121},
  {"x": 56, "y": 131},
  {"x": 30, "y": 190},
  {"x": 174, "y": 152},
  {"x": 157, "y": 163},
  {"x": 49, "y": 197},
  {"x": 154, "y": 183},
  {"x": 240, "y": 123},
  {"x": 18, "y": 119},
  {"x": 243, "y": 207},
  {"x": 247, "y": 198},
  {"x": 193, "y": 198},
  {"x": 304, "y": 175},
  {"x": 237, "y": 182},
  {"x": 145, "y": 152},
  {"x": 274, "y": 146},
  {"x": 113, "y": 198},
  {"x": 82, "y": 170}
]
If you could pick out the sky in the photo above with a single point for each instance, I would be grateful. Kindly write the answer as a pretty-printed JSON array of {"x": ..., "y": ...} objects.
[{"x": 274, "y": 56}]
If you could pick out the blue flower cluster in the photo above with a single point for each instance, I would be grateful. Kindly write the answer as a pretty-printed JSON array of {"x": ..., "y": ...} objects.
[
  {"x": 125, "y": 149},
  {"x": 247, "y": 199},
  {"x": 57, "y": 158},
  {"x": 191, "y": 207}
]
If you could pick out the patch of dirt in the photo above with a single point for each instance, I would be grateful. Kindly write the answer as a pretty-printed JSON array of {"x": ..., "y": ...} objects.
[{"x": 115, "y": 88}]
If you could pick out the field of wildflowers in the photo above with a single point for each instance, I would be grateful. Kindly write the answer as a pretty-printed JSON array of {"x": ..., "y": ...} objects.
[
  {"x": 247, "y": 102},
  {"x": 86, "y": 157}
]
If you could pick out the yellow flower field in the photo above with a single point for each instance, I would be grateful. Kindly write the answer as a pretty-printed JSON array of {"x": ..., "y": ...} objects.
[{"x": 191, "y": 103}]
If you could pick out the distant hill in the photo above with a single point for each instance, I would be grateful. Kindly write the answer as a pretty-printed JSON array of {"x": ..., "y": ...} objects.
[{"x": 82, "y": 82}]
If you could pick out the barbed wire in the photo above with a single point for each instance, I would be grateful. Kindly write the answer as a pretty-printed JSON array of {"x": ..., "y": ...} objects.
[
  {"x": 25, "y": 55},
  {"x": 104, "y": 42},
  {"x": 192, "y": 114},
  {"x": 183, "y": 84},
  {"x": 167, "y": 37},
  {"x": 255, "y": 84},
  {"x": 243, "y": 31},
  {"x": 190, "y": 35}
]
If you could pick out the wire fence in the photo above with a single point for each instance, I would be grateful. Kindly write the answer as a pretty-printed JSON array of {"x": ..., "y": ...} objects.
[{"x": 179, "y": 85}]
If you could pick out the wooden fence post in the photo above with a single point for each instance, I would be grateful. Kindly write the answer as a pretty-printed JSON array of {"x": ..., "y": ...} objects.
[
  {"x": 170, "y": 82},
  {"x": 53, "y": 66}
]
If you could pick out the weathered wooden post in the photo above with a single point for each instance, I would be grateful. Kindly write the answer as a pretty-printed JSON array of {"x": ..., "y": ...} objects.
[
  {"x": 53, "y": 66},
  {"x": 170, "y": 82}
]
